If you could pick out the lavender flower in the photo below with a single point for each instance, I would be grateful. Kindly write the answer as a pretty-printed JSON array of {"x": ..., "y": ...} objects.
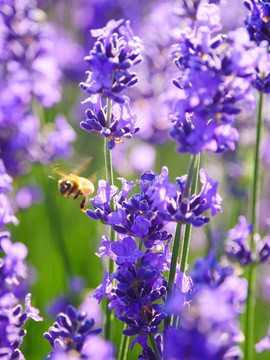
[
  {"x": 140, "y": 284},
  {"x": 122, "y": 120},
  {"x": 237, "y": 245},
  {"x": 28, "y": 195},
  {"x": 13, "y": 269},
  {"x": 211, "y": 83},
  {"x": 28, "y": 51},
  {"x": 70, "y": 333},
  {"x": 136, "y": 216},
  {"x": 55, "y": 141},
  {"x": 6, "y": 212},
  {"x": 11, "y": 321},
  {"x": 144, "y": 214},
  {"x": 201, "y": 329},
  {"x": 110, "y": 60},
  {"x": 263, "y": 344},
  {"x": 257, "y": 21},
  {"x": 18, "y": 130},
  {"x": 214, "y": 306}
]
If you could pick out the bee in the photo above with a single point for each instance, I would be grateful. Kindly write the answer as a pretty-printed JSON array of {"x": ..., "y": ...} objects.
[{"x": 74, "y": 185}]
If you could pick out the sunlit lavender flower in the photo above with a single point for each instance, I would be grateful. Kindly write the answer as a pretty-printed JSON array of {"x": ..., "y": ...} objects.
[
  {"x": 13, "y": 269},
  {"x": 110, "y": 60},
  {"x": 6, "y": 211},
  {"x": 215, "y": 73},
  {"x": 73, "y": 334},
  {"x": 28, "y": 195},
  {"x": 264, "y": 344},
  {"x": 122, "y": 122},
  {"x": 28, "y": 51},
  {"x": 18, "y": 130},
  {"x": 201, "y": 328},
  {"x": 257, "y": 21},
  {"x": 215, "y": 305},
  {"x": 54, "y": 142},
  {"x": 237, "y": 243},
  {"x": 11, "y": 321},
  {"x": 137, "y": 216},
  {"x": 140, "y": 284},
  {"x": 5, "y": 179},
  {"x": 145, "y": 214}
]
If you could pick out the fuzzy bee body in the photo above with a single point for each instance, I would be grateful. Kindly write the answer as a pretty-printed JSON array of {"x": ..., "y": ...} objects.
[{"x": 74, "y": 185}]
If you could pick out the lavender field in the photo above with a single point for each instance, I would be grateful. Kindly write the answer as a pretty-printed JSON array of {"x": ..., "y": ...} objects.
[{"x": 134, "y": 172}]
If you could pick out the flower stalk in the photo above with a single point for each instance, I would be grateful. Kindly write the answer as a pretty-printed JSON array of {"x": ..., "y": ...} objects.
[
  {"x": 123, "y": 350},
  {"x": 185, "y": 248},
  {"x": 177, "y": 238},
  {"x": 252, "y": 270},
  {"x": 112, "y": 234}
]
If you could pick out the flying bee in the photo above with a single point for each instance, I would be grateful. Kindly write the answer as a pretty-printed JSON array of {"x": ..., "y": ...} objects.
[{"x": 75, "y": 185}]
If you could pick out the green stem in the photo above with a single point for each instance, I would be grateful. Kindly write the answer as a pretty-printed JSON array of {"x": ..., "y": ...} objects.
[
  {"x": 107, "y": 152},
  {"x": 176, "y": 244},
  {"x": 185, "y": 249},
  {"x": 252, "y": 271},
  {"x": 123, "y": 350},
  {"x": 112, "y": 236},
  {"x": 190, "y": 178},
  {"x": 154, "y": 346},
  {"x": 176, "y": 247}
]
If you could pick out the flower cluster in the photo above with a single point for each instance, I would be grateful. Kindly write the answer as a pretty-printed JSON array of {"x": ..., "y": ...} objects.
[
  {"x": 140, "y": 286},
  {"x": 72, "y": 335},
  {"x": 13, "y": 280},
  {"x": 213, "y": 311},
  {"x": 215, "y": 74},
  {"x": 237, "y": 245},
  {"x": 257, "y": 24},
  {"x": 6, "y": 212},
  {"x": 27, "y": 50},
  {"x": 110, "y": 60},
  {"x": 29, "y": 73},
  {"x": 122, "y": 122},
  {"x": 145, "y": 214},
  {"x": 257, "y": 21},
  {"x": 11, "y": 321}
]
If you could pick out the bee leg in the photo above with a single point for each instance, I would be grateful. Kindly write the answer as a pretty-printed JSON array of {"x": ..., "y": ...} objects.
[
  {"x": 82, "y": 204},
  {"x": 70, "y": 191},
  {"x": 78, "y": 194}
]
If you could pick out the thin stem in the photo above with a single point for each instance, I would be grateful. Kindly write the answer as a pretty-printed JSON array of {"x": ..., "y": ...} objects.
[
  {"x": 185, "y": 249},
  {"x": 123, "y": 350},
  {"x": 252, "y": 271},
  {"x": 191, "y": 171},
  {"x": 176, "y": 247},
  {"x": 154, "y": 346},
  {"x": 176, "y": 244},
  {"x": 107, "y": 152},
  {"x": 112, "y": 235}
]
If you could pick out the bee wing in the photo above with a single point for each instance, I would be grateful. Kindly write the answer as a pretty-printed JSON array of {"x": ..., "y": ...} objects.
[
  {"x": 93, "y": 177},
  {"x": 59, "y": 170},
  {"x": 82, "y": 166}
]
